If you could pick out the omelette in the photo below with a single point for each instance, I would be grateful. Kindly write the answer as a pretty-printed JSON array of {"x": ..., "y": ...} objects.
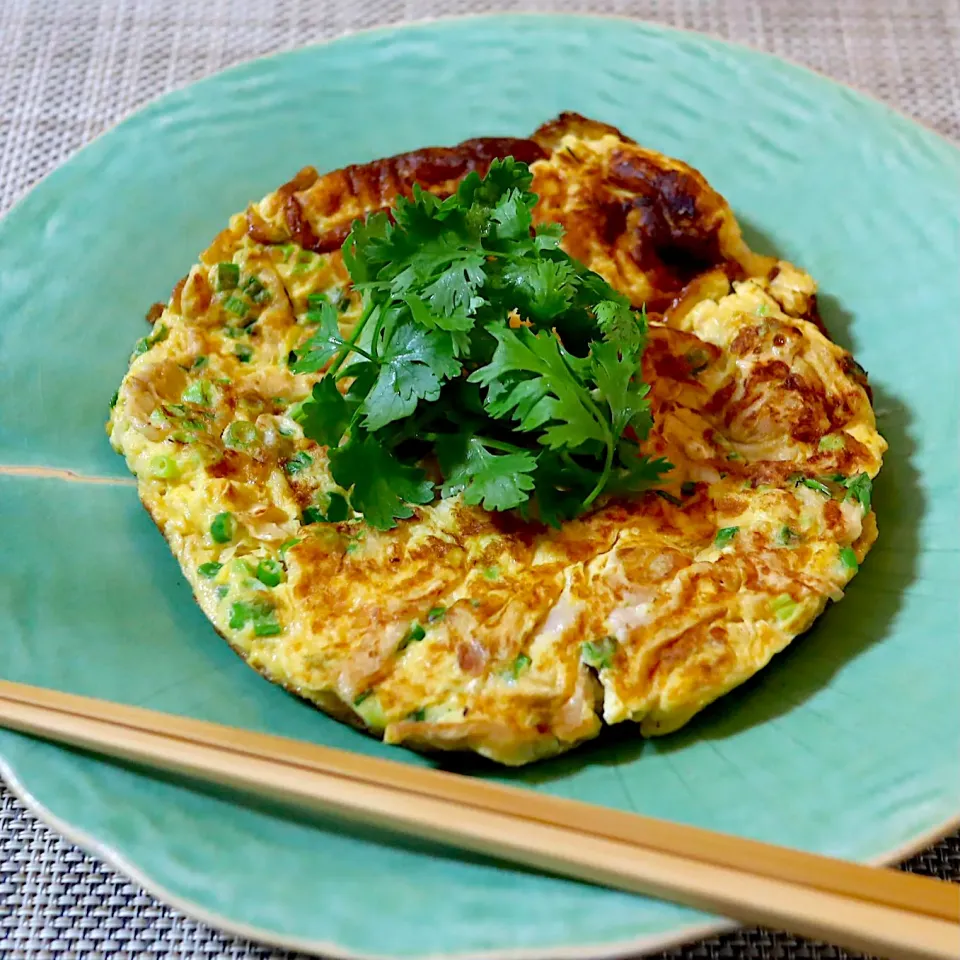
[{"x": 462, "y": 629}]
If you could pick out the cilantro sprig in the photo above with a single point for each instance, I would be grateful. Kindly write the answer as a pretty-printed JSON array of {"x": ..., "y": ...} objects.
[{"x": 482, "y": 348}]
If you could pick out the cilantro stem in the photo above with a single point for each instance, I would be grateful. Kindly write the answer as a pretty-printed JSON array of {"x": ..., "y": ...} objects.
[
  {"x": 437, "y": 279},
  {"x": 500, "y": 445},
  {"x": 573, "y": 465},
  {"x": 376, "y": 334},
  {"x": 602, "y": 482},
  {"x": 350, "y": 346},
  {"x": 610, "y": 439},
  {"x": 363, "y": 353}
]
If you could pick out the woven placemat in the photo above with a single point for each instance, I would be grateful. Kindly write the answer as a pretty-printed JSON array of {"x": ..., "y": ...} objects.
[
  {"x": 70, "y": 69},
  {"x": 58, "y": 902}
]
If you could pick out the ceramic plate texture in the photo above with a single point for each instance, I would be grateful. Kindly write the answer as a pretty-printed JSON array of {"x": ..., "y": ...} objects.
[{"x": 848, "y": 744}]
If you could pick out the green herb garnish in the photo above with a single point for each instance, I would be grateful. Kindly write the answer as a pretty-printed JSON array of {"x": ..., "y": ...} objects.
[
  {"x": 159, "y": 333},
  {"x": 260, "y": 613},
  {"x": 199, "y": 392},
  {"x": 305, "y": 260},
  {"x": 297, "y": 463},
  {"x": 725, "y": 536},
  {"x": 859, "y": 488},
  {"x": 236, "y": 306},
  {"x": 848, "y": 558},
  {"x": 228, "y": 276},
  {"x": 326, "y": 343},
  {"x": 414, "y": 635},
  {"x": 783, "y": 606},
  {"x": 355, "y": 540},
  {"x": 287, "y": 544},
  {"x": 335, "y": 510},
  {"x": 269, "y": 572},
  {"x": 256, "y": 291},
  {"x": 435, "y": 613},
  {"x": 482, "y": 343},
  {"x": 164, "y": 467},
  {"x": 209, "y": 570},
  {"x": 418, "y": 716},
  {"x": 241, "y": 435},
  {"x": 787, "y": 537},
  {"x": 817, "y": 485},
  {"x": 519, "y": 665},
  {"x": 833, "y": 441},
  {"x": 223, "y": 528},
  {"x": 312, "y": 515},
  {"x": 243, "y": 354},
  {"x": 699, "y": 360},
  {"x": 599, "y": 653}
]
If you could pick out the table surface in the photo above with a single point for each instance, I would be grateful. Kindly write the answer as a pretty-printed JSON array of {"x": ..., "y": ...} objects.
[{"x": 70, "y": 69}]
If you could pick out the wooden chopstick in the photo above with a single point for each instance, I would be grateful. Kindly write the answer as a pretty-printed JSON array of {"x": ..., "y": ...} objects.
[{"x": 878, "y": 911}]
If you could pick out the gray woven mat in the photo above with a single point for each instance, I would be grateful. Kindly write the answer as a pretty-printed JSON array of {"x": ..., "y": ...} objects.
[{"x": 71, "y": 68}]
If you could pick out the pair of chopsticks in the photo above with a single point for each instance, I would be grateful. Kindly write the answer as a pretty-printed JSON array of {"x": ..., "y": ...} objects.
[{"x": 879, "y": 911}]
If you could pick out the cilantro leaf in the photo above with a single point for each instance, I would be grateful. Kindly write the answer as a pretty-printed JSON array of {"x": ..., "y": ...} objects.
[
  {"x": 337, "y": 507},
  {"x": 426, "y": 238},
  {"x": 411, "y": 370},
  {"x": 634, "y": 471},
  {"x": 512, "y": 216},
  {"x": 447, "y": 371},
  {"x": 326, "y": 415},
  {"x": 552, "y": 394},
  {"x": 456, "y": 320},
  {"x": 620, "y": 325},
  {"x": 498, "y": 481},
  {"x": 325, "y": 343},
  {"x": 859, "y": 488},
  {"x": 560, "y": 488},
  {"x": 503, "y": 176},
  {"x": 363, "y": 249},
  {"x": 545, "y": 288},
  {"x": 383, "y": 486},
  {"x": 548, "y": 236},
  {"x": 327, "y": 508},
  {"x": 618, "y": 381},
  {"x": 456, "y": 288}
]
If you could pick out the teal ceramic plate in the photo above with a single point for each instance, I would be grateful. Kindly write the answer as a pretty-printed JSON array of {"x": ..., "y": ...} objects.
[{"x": 849, "y": 744}]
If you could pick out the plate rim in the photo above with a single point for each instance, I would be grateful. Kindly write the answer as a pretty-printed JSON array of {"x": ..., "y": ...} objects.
[
  {"x": 454, "y": 18},
  {"x": 637, "y": 946}
]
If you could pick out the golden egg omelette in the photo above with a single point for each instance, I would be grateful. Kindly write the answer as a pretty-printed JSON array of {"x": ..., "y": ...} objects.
[{"x": 461, "y": 629}]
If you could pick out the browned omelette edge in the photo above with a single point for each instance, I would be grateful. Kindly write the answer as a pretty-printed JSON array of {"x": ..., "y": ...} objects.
[{"x": 667, "y": 202}]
